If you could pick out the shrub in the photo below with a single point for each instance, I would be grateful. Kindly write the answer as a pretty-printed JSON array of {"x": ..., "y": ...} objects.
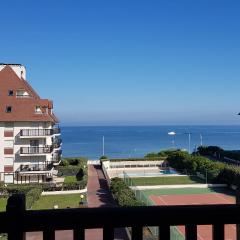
[
  {"x": 122, "y": 194},
  {"x": 68, "y": 170},
  {"x": 32, "y": 196},
  {"x": 77, "y": 161},
  {"x": 32, "y": 192}
]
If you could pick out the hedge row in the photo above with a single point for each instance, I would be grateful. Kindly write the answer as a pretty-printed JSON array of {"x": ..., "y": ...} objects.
[
  {"x": 216, "y": 171},
  {"x": 32, "y": 192},
  {"x": 193, "y": 164},
  {"x": 218, "y": 152},
  {"x": 122, "y": 194}
]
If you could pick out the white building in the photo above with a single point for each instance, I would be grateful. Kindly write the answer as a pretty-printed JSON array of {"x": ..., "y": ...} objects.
[{"x": 30, "y": 144}]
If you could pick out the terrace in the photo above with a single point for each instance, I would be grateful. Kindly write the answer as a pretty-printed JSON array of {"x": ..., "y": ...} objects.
[{"x": 17, "y": 220}]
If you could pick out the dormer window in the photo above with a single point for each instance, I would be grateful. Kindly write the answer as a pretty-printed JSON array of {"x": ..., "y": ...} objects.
[
  {"x": 8, "y": 109},
  {"x": 10, "y": 92},
  {"x": 21, "y": 93},
  {"x": 38, "y": 110}
]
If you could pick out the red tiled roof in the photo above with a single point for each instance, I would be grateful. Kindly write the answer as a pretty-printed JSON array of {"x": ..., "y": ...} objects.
[{"x": 23, "y": 109}]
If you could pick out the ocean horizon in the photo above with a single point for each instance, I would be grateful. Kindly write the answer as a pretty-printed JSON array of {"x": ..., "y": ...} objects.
[{"x": 137, "y": 141}]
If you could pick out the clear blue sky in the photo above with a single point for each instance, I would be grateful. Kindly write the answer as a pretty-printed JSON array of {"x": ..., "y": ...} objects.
[{"x": 129, "y": 62}]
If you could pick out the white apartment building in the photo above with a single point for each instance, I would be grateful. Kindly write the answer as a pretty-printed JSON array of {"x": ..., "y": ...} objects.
[{"x": 30, "y": 143}]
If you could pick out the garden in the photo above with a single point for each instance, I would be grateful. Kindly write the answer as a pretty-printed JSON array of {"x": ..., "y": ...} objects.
[{"x": 74, "y": 172}]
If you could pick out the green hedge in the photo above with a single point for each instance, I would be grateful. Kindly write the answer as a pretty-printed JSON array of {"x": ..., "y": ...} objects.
[
  {"x": 32, "y": 192},
  {"x": 216, "y": 171},
  {"x": 122, "y": 194},
  {"x": 75, "y": 161},
  {"x": 193, "y": 164},
  {"x": 68, "y": 170}
]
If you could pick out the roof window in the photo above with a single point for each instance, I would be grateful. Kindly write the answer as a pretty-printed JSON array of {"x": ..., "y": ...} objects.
[
  {"x": 8, "y": 109},
  {"x": 38, "y": 110},
  {"x": 10, "y": 92}
]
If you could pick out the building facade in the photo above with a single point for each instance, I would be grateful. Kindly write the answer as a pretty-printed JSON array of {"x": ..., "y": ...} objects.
[{"x": 30, "y": 143}]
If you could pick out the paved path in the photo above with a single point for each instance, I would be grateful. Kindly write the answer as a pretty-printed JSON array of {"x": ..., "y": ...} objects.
[{"x": 98, "y": 195}]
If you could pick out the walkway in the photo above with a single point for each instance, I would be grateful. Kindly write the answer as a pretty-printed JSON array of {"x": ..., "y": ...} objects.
[{"x": 99, "y": 196}]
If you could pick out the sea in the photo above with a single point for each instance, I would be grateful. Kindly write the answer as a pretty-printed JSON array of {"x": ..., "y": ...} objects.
[{"x": 137, "y": 141}]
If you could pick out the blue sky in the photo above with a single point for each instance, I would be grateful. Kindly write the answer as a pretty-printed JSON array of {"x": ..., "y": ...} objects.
[{"x": 129, "y": 62}]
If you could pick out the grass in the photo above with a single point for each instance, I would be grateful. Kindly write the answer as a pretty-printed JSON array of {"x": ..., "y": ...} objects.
[
  {"x": 70, "y": 179},
  {"x": 63, "y": 201},
  {"x": 3, "y": 203},
  {"x": 173, "y": 180}
]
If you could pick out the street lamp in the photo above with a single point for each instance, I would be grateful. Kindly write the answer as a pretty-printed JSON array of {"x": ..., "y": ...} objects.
[
  {"x": 201, "y": 139},
  {"x": 81, "y": 197},
  {"x": 173, "y": 135},
  {"x": 189, "y": 142}
]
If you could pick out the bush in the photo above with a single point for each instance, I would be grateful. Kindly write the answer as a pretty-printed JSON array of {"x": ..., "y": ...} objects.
[
  {"x": 68, "y": 170},
  {"x": 122, "y": 194},
  {"x": 32, "y": 192},
  {"x": 193, "y": 164},
  {"x": 79, "y": 161},
  {"x": 32, "y": 196}
]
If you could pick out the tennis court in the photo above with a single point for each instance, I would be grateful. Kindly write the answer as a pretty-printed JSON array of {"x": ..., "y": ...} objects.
[{"x": 192, "y": 196}]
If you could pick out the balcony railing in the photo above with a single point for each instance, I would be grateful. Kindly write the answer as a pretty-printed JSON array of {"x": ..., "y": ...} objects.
[
  {"x": 56, "y": 130},
  {"x": 36, "y": 132},
  {"x": 57, "y": 143},
  {"x": 35, "y": 167},
  {"x": 16, "y": 220},
  {"x": 36, "y": 150}
]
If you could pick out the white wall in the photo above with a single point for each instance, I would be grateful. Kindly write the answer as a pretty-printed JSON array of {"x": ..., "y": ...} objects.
[
  {"x": 25, "y": 142},
  {"x": 20, "y": 70}
]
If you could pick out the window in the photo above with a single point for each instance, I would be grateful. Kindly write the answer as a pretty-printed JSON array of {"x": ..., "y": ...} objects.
[
  {"x": 10, "y": 92},
  {"x": 8, "y": 109},
  {"x": 38, "y": 109}
]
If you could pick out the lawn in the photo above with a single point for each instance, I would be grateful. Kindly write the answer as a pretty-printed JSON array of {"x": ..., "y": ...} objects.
[
  {"x": 3, "y": 203},
  {"x": 63, "y": 201},
  {"x": 173, "y": 180}
]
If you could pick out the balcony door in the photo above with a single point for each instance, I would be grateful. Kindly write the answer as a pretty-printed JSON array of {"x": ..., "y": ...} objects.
[{"x": 34, "y": 143}]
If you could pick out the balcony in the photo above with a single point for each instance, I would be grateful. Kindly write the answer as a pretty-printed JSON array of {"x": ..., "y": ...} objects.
[
  {"x": 27, "y": 151},
  {"x": 35, "y": 133},
  {"x": 57, "y": 143},
  {"x": 56, "y": 160},
  {"x": 17, "y": 220},
  {"x": 56, "y": 131},
  {"x": 34, "y": 168}
]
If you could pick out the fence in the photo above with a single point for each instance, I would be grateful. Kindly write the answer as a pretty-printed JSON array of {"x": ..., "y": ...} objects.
[
  {"x": 141, "y": 196},
  {"x": 17, "y": 220}
]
